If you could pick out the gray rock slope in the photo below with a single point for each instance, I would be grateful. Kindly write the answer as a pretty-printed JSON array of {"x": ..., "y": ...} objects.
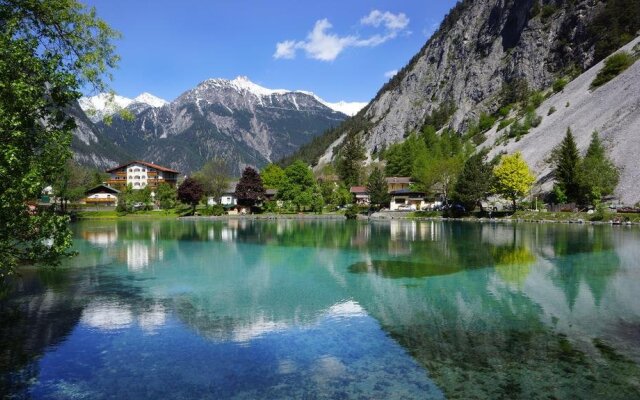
[
  {"x": 236, "y": 120},
  {"x": 480, "y": 46},
  {"x": 90, "y": 147},
  {"x": 612, "y": 109}
]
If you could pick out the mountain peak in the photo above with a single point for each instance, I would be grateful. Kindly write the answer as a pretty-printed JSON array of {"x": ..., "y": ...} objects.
[{"x": 148, "y": 98}]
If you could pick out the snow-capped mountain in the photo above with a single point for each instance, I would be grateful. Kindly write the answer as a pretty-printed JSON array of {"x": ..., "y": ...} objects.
[
  {"x": 104, "y": 104},
  {"x": 236, "y": 120}
]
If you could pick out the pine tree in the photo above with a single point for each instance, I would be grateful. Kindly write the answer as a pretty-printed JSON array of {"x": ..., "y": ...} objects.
[
  {"x": 350, "y": 160},
  {"x": 567, "y": 167},
  {"x": 474, "y": 182},
  {"x": 249, "y": 189},
  {"x": 598, "y": 176},
  {"x": 377, "y": 188}
]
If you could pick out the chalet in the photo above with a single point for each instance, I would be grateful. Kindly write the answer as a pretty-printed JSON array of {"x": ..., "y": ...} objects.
[
  {"x": 102, "y": 195},
  {"x": 407, "y": 200},
  {"x": 360, "y": 195},
  {"x": 141, "y": 174},
  {"x": 398, "y": 183}
]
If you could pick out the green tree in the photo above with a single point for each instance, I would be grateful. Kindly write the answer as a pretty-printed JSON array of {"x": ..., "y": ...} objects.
[
  {"x": 567, "y": 164},
  {"x": 377, "y": 188},
  {"x": 214, "y": 178},
  {"x": 597, "y": 176},
  {"x": 474, "y": 182},
  {"x": 190, "y": 192},
  {"x": 299, "y": 185},
  {"x": 249, "y": 190},
  {"x": 166, "y": 196},
  {"x": 48, "y": 50},
  {"x": 273, "y": 176},
  {"x": 72, "y": 183},
  {"x": 512, "y": 177},
  {"x": 350, "y": 158}
]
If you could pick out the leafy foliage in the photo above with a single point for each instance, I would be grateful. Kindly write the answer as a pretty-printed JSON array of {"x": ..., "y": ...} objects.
[
  {"x": 273, "y": 176},
  {"x": 613, "y": 66},
  {"x": 190, "y": 192},
  {"x": 249, "y": 189},
  {"x": 615, "y": 26},
  {"x": 512, "y": 177},
  {"x": 48, "y": 50},
  {"x": 166, "y": 196},
  {"x": 214, "y": 176},
  {"x": 299, "y": 186}
]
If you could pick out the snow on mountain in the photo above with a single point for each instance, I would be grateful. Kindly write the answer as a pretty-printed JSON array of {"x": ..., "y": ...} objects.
[
  {"x": 148, "y": 98},
  {"x": 104, "y": 104},
  {"x": 349, "y": 108},
  {"x": 244, "y": 84}
]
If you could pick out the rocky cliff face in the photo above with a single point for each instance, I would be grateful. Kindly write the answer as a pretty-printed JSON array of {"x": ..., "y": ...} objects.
[
  {"x": 235, "y": 120},
  {"x": 481, "y": 46}
]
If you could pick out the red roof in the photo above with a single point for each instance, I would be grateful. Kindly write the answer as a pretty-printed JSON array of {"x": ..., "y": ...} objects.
[
  {"x": 150, "y": 165},
  {"x": 358, "y": 189}
]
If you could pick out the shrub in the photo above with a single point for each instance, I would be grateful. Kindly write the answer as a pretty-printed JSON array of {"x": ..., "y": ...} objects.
[
  {"x": 613, "y": 66},
  {"x": 559, "y": 85},
  {"x": 352, "y": 212},
  {"x": 485, "y": 122},
  {"x": 215, "y": 210},
  {"x": 504, "y": 123},
  {"x": 547, "y": 11},
  {"x": 551, "y": 110},
  {"x": 505, "y": 110}
]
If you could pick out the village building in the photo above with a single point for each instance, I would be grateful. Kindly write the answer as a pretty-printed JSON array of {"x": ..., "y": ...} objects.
[
  {"x": 141, "y": 174},
  {"x": 407, "y": 200},
  {"x": 398, "y": 183},
  {"x": 102, "y": 195},
  {"x": 360, "y": 195}
]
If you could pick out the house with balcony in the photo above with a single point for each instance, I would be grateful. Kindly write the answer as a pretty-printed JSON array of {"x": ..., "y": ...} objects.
[
  {"x": 141, "y": 174},
  {"x": 102, "y": 195}
]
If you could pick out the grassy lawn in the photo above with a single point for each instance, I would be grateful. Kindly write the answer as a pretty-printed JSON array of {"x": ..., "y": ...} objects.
[{"x": 135, "y": 215}]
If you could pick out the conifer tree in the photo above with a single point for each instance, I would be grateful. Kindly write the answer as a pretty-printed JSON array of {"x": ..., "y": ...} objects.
[
  {"x": 598, "y": 176},
  {"x": 474, "y": 182},
  {"x": 567, "y": 167},
  {"x": 350, "y": 160},
  {"x": 377, "y": 188}
]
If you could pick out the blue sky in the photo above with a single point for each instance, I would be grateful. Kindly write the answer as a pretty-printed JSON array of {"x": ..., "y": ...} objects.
[{"x": 340, "y": 50}]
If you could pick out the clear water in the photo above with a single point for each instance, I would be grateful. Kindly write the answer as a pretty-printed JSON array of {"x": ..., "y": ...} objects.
[{"x": 310, "y": 309}]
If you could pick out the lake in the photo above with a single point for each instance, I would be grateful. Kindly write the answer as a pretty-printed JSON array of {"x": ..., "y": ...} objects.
[{"x": 328, "y": 309}]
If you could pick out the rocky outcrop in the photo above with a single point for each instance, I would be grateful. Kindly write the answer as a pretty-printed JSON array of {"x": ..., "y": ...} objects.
[{"x": 481, "y": 46}]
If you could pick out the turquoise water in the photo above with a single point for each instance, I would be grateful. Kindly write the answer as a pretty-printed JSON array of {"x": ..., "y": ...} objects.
[{"x": 313, "y": 309}]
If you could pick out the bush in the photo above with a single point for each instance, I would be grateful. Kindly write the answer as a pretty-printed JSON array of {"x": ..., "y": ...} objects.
[
  {"x": 505, "y": 110},
  {"x": 504, "y": 123},
  {"x": 559, "y": 85},
  {"x": 486, "y": 122},
  {"x": 352, "y": 212},
  {"x": 613, "y": 66},
  {"x": 551, "y": 110},
  {"x": 216, "y": 210}
]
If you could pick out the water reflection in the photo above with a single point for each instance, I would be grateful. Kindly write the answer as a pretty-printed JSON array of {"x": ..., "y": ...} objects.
[{"x": 299, "y": 307}]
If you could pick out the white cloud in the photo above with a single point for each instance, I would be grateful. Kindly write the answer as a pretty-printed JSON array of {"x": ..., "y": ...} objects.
[
  {"x": 323, "y": 45},
  {"x": 393, "y": 22},
  {"x": 390, "y": 74},
  {"x": 286, "y": 49}
]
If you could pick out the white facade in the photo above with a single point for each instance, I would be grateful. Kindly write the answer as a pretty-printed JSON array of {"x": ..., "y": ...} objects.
[
  {"x": 137, "y": 175},
  {"x": 228, "y": 200}
]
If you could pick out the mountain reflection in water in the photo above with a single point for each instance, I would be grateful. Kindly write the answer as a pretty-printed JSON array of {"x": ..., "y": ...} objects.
[{"x": 337, "y": 309}]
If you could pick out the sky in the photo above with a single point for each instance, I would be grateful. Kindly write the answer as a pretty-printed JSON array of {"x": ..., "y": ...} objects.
[{"x": 340, "y": 50}]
